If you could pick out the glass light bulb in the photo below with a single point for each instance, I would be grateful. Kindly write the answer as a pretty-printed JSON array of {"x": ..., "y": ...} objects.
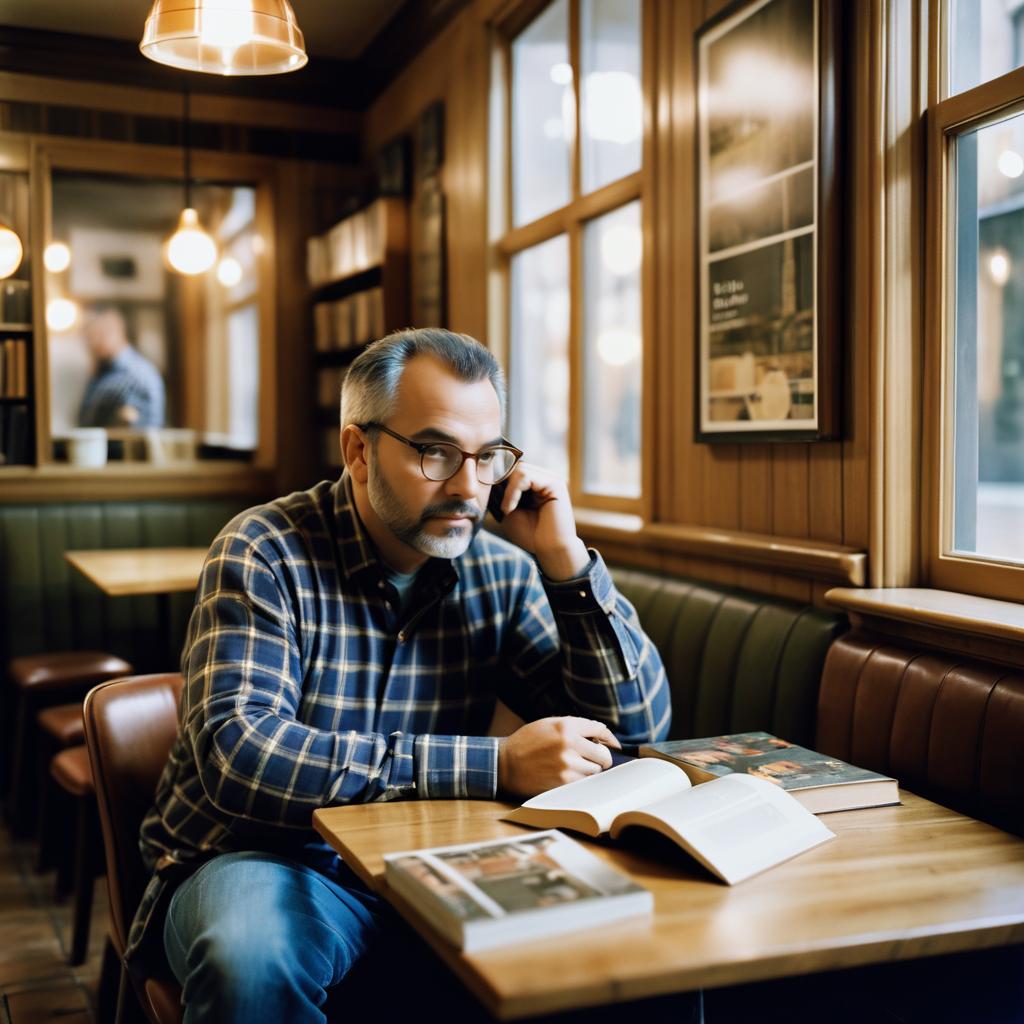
[
  {"x": 61, "y": 314},
  {"x": 11, "y": 251},
  {"x": 226, "y": 24},
  {"x": 999, "y": 267},
  {"x": 1011, "y": 163},
  {"x": 229, "y": 272},
  {"x": 190, "y": 250},
  {"x": 56, "y": 257}
]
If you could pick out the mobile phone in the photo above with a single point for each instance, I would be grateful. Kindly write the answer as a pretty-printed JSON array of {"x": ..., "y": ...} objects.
[{"x": 526, "y": 500}]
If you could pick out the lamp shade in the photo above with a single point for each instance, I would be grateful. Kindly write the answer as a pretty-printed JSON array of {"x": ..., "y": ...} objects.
[
  {"x": 224, "y": 37},
  {"x": 11, "y": 250}
]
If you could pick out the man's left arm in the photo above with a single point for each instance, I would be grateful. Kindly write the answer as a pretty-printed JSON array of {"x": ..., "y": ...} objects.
[{"x": 594, "y": 660}]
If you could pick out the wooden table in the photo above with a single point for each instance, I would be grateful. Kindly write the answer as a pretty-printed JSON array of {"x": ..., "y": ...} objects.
[
  {"x": 120, "y": 572},
  {"x": 897, "y": 883}
]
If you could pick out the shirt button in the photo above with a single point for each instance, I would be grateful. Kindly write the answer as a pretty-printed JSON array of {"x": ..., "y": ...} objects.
[
  {"x": 401, "y": 637},
  {"x": 583, "y": 593},
  {"x": 381, "y": 584}
]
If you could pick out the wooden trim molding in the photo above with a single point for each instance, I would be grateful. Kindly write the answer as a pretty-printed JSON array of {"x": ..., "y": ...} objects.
[
  {"x": 816, "y": 560},
  {"x": 940, "y": 609}
]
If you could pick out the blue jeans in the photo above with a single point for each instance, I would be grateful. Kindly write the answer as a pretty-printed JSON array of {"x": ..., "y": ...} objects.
[{"x": 257, "y": 937}]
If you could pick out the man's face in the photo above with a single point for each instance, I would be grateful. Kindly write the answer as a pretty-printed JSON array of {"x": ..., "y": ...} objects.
[{"x": 436, "y": 518}]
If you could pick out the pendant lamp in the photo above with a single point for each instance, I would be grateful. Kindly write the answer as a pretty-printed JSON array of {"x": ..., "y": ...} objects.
[
  {"x": 11, "y": 250},
  {"x": 190, "y": 250},
  {"x": 224, "y": 37}
]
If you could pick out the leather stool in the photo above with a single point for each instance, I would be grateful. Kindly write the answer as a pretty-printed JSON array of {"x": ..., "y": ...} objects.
[
  {"x": 72, "y": 772},
  {"x": 58, "y": 728},
  {"x": 38, "y": 681}
]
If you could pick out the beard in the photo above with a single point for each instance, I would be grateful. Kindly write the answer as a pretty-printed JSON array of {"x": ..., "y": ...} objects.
[{"x": 410, "y": 528}]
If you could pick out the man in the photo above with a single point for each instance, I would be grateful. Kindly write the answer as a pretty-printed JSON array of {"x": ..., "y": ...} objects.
[
  {"x": 351, "y": 643},
  {"x": 126, "y": 389}
]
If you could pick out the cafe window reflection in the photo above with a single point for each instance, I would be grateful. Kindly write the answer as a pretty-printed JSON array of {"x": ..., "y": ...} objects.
[{"x": 164, "y": 364}]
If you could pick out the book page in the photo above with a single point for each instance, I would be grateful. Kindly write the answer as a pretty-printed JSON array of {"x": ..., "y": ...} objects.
[
  {"x": 603, "y": 796},
  {"x": 736, "y": 826}
]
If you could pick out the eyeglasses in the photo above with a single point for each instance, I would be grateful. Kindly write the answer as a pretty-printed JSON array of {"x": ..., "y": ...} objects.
[{"x": 440, "y": 460}]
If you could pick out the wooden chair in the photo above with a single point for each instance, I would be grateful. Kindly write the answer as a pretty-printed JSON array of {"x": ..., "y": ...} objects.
[{"x": 130, "y": 725}]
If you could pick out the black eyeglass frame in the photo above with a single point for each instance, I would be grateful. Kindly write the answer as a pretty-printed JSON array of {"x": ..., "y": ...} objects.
[{"x": 422, "y": 446}]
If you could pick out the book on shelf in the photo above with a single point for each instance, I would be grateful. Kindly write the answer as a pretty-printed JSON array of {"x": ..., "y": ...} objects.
[
  {"x": 736, "y": 826},
  {"x": 501, "y": 891},
  {"x": 821, "y": 783}
]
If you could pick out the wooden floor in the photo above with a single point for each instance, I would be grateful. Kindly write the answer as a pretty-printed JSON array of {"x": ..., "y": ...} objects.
[{"x": 36, "y": 983}]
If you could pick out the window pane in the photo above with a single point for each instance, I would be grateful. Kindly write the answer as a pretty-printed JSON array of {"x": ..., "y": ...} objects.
[
  {"x": 135, "y": 347},
  {"x": 988, "y": 471},
  {"x": 539, "y": 357},
  {"x": 612, "y": 249},
  {"x": 611, "y": 113},
  {"x": 986, "y": 41},
  {"x": 542, "y": 115}
]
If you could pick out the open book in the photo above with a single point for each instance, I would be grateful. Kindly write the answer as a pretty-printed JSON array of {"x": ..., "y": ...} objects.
[
  {"x": 480, "y": 895},
  {"x": 736, "y": 826},
  {"x": 819, "y": 782}
]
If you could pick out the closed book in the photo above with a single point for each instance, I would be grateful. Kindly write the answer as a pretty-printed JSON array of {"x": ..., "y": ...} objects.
[
  {"x": 502, "y": 891},
  {"x": 821, "y": 783}
]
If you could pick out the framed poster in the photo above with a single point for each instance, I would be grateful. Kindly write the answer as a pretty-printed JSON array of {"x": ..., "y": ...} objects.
[{"x": 768, "y": 240}]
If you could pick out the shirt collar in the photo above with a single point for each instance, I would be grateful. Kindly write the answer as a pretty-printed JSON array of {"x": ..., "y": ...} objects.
[{"x": 356, "y": 550}]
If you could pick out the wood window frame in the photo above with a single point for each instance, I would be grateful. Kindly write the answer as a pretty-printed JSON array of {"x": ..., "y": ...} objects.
[
  {"x": 948, "y": 118},
  {"x": 571, "y": 220}
]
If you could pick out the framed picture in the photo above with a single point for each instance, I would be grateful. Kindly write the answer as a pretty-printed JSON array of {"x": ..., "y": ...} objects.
[{"x": 768, "y": 240}]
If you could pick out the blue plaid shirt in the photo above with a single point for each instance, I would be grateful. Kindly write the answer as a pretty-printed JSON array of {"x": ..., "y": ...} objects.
[{"x": 306, "y": 686}]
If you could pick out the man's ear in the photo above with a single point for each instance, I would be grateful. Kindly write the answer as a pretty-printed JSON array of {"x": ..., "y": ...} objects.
[{"x": 354, "y": 445}]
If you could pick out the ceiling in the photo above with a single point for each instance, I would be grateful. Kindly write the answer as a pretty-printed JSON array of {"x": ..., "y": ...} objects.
[{"x": 341, "y": 29}]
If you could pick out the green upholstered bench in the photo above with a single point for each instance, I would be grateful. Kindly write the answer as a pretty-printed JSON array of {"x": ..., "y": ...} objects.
[
  {"x": 45, "y": 605},
  {"x": 737, "y": 661}
]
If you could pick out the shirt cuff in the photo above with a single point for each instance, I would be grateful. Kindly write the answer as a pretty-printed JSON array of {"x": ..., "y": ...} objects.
[
  {"x": 449, "y": 767},
  {"x": 592, "y": 591}
]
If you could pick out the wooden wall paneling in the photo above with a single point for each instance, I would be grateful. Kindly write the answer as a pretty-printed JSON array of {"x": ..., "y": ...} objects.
[
  {"x": 825, "y": 491},
  {"x": 862, "y": 183},
  {"x": 653, "y": 365},
  {"x": 790, "y": 490},
  {"x": 755, "y": 506}
]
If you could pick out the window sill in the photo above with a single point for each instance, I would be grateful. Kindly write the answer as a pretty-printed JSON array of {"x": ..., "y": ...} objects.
[
  {"x": 133, "y": 480},
  {"x": 818, "y": 560},
  {"x": 942, "y": 610}
]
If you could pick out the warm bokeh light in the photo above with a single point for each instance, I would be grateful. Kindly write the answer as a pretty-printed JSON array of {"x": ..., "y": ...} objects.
[
  {"x": 56, "y": 257},
  {"x": 1011, "y": 163},
  {"x": 999, "y": 267},
  {"x": 561, "y": 73},
  {"x": 61, "y": 314},
  {"x": 617, "y": 347},
  {"x": 11, "y": 251},
  {"x": 190, "y": 250},
  {"x": 229, "y": 272}
]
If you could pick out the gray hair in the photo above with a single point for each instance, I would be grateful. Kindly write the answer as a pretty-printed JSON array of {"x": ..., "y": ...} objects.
[{"x": 371, "y": 385}]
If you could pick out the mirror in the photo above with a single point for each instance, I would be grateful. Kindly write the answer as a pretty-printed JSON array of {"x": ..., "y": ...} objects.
[{"x": 162, "y": 366}]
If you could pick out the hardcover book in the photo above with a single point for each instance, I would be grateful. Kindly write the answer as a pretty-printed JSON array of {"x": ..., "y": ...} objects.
[
  {"x": 819, "y": 782},
  {"x": 736, "y": 826},
  {"x": 480, "y": 895}
]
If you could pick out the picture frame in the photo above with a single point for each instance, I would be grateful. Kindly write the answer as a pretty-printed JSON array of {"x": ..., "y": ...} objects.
[{"x": 769, "y": 239}]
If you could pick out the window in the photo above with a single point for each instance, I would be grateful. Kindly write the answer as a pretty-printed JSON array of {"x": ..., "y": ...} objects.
[
  {"x": 976, "y": 337},
  {"x": 568, "y": 237}
]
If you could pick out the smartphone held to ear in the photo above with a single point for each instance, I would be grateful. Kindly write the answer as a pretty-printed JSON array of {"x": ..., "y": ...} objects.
[{"x": 526, "y": 500}]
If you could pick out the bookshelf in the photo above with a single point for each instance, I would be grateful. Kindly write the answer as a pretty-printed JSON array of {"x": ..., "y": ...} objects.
[
  {"x": 358, "y": 272},
  {"x": 17, "y": 378}
]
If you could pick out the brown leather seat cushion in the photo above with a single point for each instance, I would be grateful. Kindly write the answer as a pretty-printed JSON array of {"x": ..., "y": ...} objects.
[
  {"x": 63, "y": 723},
  {"x": 60, "y": 669},
  {"x": 948, "y": 728},
  {"x": 72, "y": 772}
]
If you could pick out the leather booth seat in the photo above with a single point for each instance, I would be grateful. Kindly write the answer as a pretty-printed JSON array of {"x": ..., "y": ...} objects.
[
  {"x": 62, "y": 724},
  {"x": 949, "y": 728},
  {"x": 736, "y": 661},
  {"x": 71, "y": 771},
  {"x": 65, "y": 670}
]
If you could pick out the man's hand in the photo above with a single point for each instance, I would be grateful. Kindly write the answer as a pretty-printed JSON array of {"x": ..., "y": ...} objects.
[
  {"x": 552, "y": 752},
  {"x": 549, "y": 531}
]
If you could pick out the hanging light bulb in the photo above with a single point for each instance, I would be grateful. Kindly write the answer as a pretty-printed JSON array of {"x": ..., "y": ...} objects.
[
  {"x": 11, "y": 251},
  {"x": 190, "y": 250},
  {"x": 224, "y": 37},
  {"x": 229, "y": 272}
]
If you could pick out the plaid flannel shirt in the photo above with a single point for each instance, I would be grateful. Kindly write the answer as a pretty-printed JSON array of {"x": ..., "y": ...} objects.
[{"x": 306, "y": 687}]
